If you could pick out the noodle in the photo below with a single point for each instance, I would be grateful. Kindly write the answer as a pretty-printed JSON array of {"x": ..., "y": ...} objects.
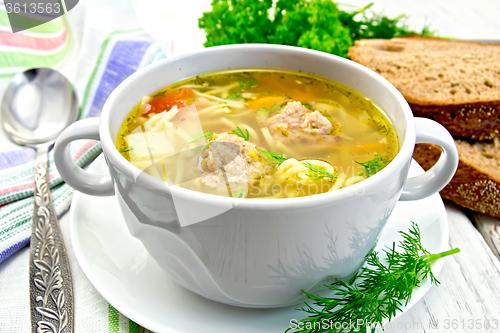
[
  {"x": 339, "y": 182},
  {"x": 197, "y": 86},
  {"x": 302, "y": 137},
  {"x": 170, "y": 132},
  {"x": 150, "y": 124},
  {"x": 223, "y": 110},
  {"x": 141, "y": 120},
  {"x": 321, "y": 164},
  {"x": 210, "y": 108},
  {"x": 284, "y": 149},
  {"x": 296, "y": 170},
  {"x": 184, "y": 135},
  {"x": 227, "y": 101},
  {"x": 251, "y": 131},
  {"x": 353, "y": 180},
  {"x": 243, "y": 114},
  {"x": 290, "y": 162},
  {"x": 179, "y": 170},
  {"x": 223, "y": 89},
  {"x": 228, "y": 122},
  {"x": 170, "y": 114},
  {"x": 268, "y": 137}
]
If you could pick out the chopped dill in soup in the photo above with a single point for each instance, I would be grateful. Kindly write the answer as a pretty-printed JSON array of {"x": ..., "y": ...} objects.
[{"x": 258, "y": 134}]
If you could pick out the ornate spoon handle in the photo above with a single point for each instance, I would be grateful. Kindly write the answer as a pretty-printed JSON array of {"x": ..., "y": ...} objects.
[{"x": 51, "y": 289}]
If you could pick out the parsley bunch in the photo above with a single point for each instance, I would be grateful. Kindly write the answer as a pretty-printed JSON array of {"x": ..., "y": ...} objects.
[
  {"x": 365, "y": 25},
  {"x": 311, "y": 24},
  {"x": 314, "y": 24},
  {"x": 237, "y": 21}
]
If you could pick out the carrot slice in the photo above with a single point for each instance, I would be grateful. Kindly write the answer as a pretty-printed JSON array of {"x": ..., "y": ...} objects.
[
  {"x": 264, "y": 102},
  {"x": 179, "y": 97},
  {"x": 370, "y": 146},
  {"x": 301, "y": 93},
  {"x": 273, "y": 84}
]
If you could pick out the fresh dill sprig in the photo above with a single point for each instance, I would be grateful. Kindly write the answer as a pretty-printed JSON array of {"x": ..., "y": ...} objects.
[
  {"x": 244, "y": 86},
  {"x": 388, "y": 131},
  {"x": 207, "y": 135},
  {"x": 234, "y": 96},
  {"x": 378, "y": 291},
  {"x": 307, "y": 105},
  {"x": 273, "y": 157},
  {"x": 272, "y": 109},
  {"x": 128, "y": 150},
  {"x": 373, "y": 166},
  {"x": 239, "y": 132},
  {"x": 240, "y": 194},
  {"x": 320, "y": 173}
]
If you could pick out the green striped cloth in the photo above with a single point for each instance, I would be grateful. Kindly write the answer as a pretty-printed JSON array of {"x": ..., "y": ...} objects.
[
  {"x": 47, "y": 45},
  {"x": 16, "y": 196},
  {"x": 96, "y": 55}
]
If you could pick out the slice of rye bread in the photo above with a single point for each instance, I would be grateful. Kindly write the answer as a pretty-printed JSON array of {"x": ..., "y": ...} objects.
[
  {"x": 476, "y": 184},
  {"x": 456, "y": 83}
]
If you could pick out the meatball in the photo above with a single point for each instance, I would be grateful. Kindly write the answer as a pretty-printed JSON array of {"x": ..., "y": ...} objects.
[
  {"x": 296, "y": 123},
  {"x": 316, "y": 123},
  {"x": 231, "y": 161}
]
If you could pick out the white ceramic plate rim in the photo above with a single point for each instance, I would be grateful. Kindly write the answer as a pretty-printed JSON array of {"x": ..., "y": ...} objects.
[{"x": 133, "y": 312}]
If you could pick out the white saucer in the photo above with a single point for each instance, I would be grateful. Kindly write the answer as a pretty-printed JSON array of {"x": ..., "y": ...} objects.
[{"x": 119, "y": 267}]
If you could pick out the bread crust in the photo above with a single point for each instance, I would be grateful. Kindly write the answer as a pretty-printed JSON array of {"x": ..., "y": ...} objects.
[
  {"x": 469, "y": 187},
  {"x": 405, "y": 62},
  {"x": 477, "y": 121}
]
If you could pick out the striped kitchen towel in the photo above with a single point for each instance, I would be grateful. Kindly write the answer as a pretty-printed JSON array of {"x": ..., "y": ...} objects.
[
  {"x": 47, "y": 45},
  {"x": 121, "y": 55},
  {"x": 16, "y": 193},
  {"x": 103, "y": 59}
]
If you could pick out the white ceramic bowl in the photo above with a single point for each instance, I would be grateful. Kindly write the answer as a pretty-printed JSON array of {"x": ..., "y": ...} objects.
[{"x": 257, "y": 252}]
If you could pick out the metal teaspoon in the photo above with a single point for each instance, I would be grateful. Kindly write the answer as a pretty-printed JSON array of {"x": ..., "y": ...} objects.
[{"x": 38, "y": 104}]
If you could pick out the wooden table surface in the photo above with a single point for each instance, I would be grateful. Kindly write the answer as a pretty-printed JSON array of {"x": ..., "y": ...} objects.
[{"x": 468, "y": 298}]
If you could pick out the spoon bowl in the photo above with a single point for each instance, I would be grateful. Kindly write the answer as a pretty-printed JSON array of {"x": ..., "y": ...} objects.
[{"x": 37, "y": 106}]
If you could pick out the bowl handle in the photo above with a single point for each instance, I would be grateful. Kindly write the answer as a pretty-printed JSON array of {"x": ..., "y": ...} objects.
[
  {"x": 437, "y": 177},
  {"x": 76, "y": 177}
]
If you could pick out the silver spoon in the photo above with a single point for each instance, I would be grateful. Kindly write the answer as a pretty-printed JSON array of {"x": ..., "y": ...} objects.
[{"x": 38, "y": 104}]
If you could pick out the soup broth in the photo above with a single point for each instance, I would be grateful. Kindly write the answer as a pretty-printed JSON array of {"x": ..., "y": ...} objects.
[{"x": 258, "y": 134}]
